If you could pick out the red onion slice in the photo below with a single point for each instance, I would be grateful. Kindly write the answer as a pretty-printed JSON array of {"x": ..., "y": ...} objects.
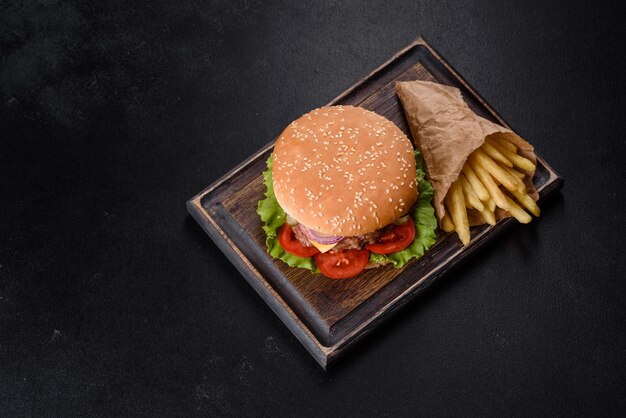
[{"x": 317, "y": 237}]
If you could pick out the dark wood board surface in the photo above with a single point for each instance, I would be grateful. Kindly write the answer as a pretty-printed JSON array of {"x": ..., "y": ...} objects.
[{"x": 329, "y": 316}]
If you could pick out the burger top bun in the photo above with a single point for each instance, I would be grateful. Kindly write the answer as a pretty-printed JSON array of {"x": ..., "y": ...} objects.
[{"x": 344, "y": 170}]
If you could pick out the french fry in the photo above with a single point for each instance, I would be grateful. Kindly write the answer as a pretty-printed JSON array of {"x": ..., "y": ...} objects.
[
  {"x": 517, "y": 212},
  {"x": 470, "y": 195},
  {"x": 480, "y": 190},
  {"x": 489, "y": 165},
  {"x": 527, "y": 202},
  {"x": 504, "y": 143},
  {"x": 491, "y": 205},
  {"x": 517, "y": 160},
  {"x": 489, "y": 216},
  {"x": 496, "y": 155},
  {"x": 458, "y": 212},
  {"x": 468, "y": 204},
  {"x": 516, "y": 173},
  {"x": 496, "y": 194},
  {"x": 447, "y": 224}
]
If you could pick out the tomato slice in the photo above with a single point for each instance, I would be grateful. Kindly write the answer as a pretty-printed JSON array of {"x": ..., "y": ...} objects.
[
  {"x": 290, "y": 243},
  {"x": 342, "y": 264},
  {"x": 397, "y": 239}
]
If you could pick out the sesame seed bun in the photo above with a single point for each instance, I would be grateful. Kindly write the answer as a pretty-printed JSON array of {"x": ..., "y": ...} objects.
[{"x": 344, "y": 170}]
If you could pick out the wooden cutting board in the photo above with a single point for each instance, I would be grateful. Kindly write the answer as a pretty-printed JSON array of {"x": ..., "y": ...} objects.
[{"x": 330, "y": 316}]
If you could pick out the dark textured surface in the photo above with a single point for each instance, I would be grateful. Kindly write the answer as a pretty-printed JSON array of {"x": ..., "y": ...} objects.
[{"x": 114, "y": 302}]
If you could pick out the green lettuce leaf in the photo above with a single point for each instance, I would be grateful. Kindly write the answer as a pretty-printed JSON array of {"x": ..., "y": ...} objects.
[{"x": 423, "y": 215}]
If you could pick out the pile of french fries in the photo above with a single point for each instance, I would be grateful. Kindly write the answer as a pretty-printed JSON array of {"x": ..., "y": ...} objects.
[{"x": 493, "y": 176}]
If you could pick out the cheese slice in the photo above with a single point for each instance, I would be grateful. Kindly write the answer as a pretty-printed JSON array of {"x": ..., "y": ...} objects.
[{"x": 322, "y": 247}]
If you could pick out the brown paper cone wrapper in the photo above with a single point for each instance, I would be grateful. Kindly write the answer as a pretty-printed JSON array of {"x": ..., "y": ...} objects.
[{"x": 446, "y": 131}]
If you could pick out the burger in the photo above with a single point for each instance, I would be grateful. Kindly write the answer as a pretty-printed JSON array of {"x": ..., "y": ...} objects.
[{"x": 346, "y": 191}]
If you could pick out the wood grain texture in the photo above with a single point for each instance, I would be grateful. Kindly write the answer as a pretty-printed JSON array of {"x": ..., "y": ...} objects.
[{"x": 329, "y": 316}]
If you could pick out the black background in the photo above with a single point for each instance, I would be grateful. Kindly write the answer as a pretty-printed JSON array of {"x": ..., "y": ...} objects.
[{"x": 114, "y": 302}]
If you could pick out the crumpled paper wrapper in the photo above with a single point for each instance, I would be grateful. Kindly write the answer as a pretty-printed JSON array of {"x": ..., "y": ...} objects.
[{"x": 447, "y": 131}]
